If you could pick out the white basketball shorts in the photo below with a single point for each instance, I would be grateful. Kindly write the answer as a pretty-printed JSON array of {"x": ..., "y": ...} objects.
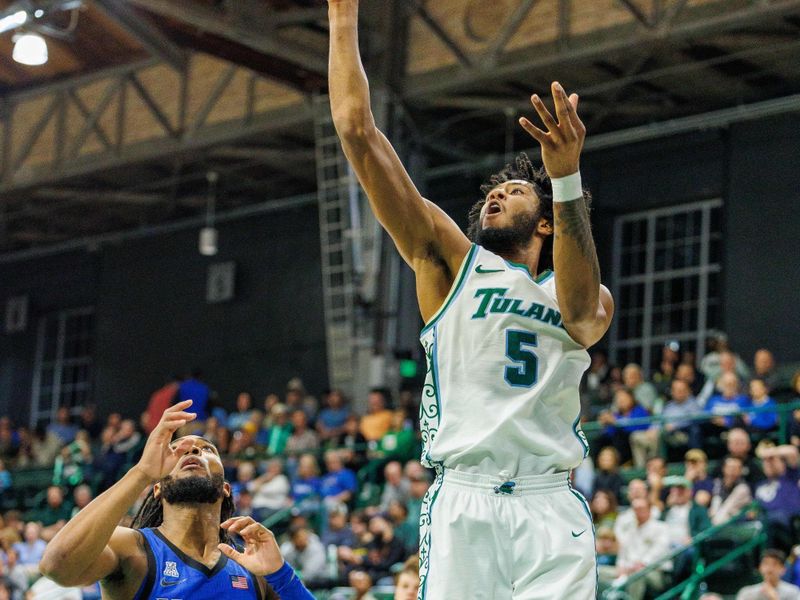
[{"x": 499, "y": 538}]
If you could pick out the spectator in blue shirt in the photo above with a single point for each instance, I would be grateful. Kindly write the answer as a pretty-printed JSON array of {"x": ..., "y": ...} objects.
[
  {"x": 31, "y": 550},
  {"x": 192, "y": 388},
  {"x": 760, "y": 398},
  {"x": 306, "y": 485},
  {"x": 729, "y": 402},
  {"x": 63, "y": 428},
  {"x": 339, "y": 485},
  {"x": 331, "y": 419},
  {"x": 244, "y": 412},
  {"x": 618, "y": 427}
]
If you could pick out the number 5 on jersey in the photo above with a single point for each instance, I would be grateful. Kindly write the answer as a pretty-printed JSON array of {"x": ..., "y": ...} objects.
[{"x": 525, "y": 371}]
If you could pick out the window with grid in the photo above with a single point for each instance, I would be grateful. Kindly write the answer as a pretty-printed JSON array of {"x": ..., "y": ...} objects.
[
  {"x": 666, "y": 281},
  {"x": 63, "y": 369}
]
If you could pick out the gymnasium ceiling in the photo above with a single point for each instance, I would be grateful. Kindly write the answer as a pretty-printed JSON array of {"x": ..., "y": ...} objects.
[{"x": 142, "y": 98}]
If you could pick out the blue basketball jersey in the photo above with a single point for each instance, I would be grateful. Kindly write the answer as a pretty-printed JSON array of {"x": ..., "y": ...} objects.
[{"x": 171, "y": 575}]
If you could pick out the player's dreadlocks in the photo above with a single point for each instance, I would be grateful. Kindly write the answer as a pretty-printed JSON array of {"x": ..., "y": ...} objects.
[{"x": 151, "y": 514}]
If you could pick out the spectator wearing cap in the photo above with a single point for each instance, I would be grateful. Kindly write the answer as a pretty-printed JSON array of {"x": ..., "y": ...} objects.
[
  {"x": 731, "y": 494},
  {"x": 772, "y": 568},
  {"x": 779, "y": 495},
  {"x": 685, "y": 518},
  {"x": 764, "y": 368},
  {"x": 376, "y": 423},
  {"x": 644, "y": 391},
  {"x": 760, "y": 398},
  {"x": 695, "y": 469}
]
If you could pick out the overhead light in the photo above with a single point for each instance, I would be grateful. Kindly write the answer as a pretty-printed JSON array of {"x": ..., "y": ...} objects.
[
  {"x": 12, "y": 21},
  {"x": 30, "y": 49},
  {"x": 38, "y": 13}
]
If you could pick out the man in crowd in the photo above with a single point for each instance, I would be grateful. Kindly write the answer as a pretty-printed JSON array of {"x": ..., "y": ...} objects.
[
  {"x": 645, "y": 543},
  {"x": 644, "y": 391},
  {"x": 778, "y": 494},
  {"x": 739, "y": 446},
  {"x": 772, "y": 568},
  {"x": 305, "y": 551},
  {"x": 731, "y": 493}
]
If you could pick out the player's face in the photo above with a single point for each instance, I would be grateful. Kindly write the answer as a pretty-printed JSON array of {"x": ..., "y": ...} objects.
[
  {"x": 507, "y": 202},
  {"x": 202, "y": 459}
]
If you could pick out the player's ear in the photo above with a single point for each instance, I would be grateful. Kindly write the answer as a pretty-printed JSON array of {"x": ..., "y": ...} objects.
[
  {"x": 226, "y": 489},
  {"x": 544, "y": 227},
  {"x": 157, "y": 491}
]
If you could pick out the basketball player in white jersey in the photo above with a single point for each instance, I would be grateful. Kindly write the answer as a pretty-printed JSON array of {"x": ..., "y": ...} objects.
[{"x": 506, "y": 347}]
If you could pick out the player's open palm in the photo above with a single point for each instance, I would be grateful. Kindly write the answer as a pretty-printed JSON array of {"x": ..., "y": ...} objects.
[
  {"x": 562, "y": 141},
  {"x": 261, "y": 554},
  {"x": 158, "y": 456}
]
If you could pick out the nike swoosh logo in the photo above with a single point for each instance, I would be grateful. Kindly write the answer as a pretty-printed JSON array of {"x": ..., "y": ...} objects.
[
  {"x": 165, "y": 583},
  {"x": 481, "y": 271},
  {"x": 578, "y": 534}
]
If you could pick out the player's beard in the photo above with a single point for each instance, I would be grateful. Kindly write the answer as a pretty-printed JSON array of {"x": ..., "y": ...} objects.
[
  {"x": 197, "y": 489},
  {"x": 508, "y": 239}
]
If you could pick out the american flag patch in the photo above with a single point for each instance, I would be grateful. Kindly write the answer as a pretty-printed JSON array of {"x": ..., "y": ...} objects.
[{"x": 239, "y": 582}]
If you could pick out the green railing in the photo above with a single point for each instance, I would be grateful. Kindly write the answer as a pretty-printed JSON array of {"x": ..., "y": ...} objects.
[{"x": 687, "y": 589}]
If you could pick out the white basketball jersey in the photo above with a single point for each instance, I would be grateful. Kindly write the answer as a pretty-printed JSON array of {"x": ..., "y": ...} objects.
[{"x": 501, "y": 393}]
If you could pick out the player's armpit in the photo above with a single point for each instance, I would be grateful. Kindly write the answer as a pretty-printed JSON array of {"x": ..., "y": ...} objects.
[
  {"x": 590, "y": 331},
  {"x": 115, "y": 559}
]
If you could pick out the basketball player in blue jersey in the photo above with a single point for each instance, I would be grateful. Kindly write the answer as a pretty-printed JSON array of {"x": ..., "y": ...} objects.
[
  {"x": 182, "y": 548},
  {"x": 506, "y": 347}
]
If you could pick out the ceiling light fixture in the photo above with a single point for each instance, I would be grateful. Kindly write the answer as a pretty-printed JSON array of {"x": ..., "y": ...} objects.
[
  {"x": 12, "y": 21},
  {"x": 30, "y": 49}
]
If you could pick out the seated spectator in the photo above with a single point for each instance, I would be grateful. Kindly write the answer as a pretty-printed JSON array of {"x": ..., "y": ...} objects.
[
  {"x": 384, "y": 551},
  {"x": 397, "y": 487},
  {"x": 760, "y": 398},
  {"x": 685, "y": 517},
  {"x": 595, "y": 388},
  {"x": 88, "y": 422},
  {"x": 352, "y": 445},
  {"x": 680, "y": 429},
  {"x": 63, "y": 427},
  {"x": 217, "y": 434},
  {"x": 688, "y": 374},
  {"x": 244, "y": 411},
  {"x": 55, "y": 511},
  {"x": 764, "y": 368},
  {"x": 361, "y": 583},
  {"x": 270, "y": 402},
  {"x": 71, "y": 465},
  {"x": 81, "y": 496},
  {"x": 303, "y": 438},
  {"x": 279, "y": 431},
  {"x": 399, "y": 443},
  {"x": 243, "y": 504},
  {"x": 643, "y": 391},
  {"x": 606, "y": 547},
  {"x": 305, "y": 552},
  {"x": 670, "y": 357},
  {"x": 778, "y": 494},
  {"x": 36, "y": 449},
  {"x": 16, "y": 576},
  {"x": 607, "y": 475},
  {"x": 375, "y": 424},
  {"x": 772, "y": 568},
  {"x": 306, "y": 485},
  {"x": 626, "y": 520},
  {"x": 351, "y": 557},
  {"x": 245, "y": 474},
  {"x": 31, "y": 549},
  {"x": 5, "y": 478},
  {"x": 645, "y": 543},
  {"x": 725, "y": 405},
  {"x": 604, "y": 509},
  {"x": 339, "y": 484},
  {"x": 617, "y": 431},
  {"x": 731, "y": 494},
  {"x": 338, "y": 533},
  {"x": 11, "y": 528},
  {"x": 739, "y": 446},
  {"x": 656, "y": 471},
  {"x": 406, "y": 584},
  {"x": 331, "y": 419},
  {"x": 405, "y": 531},
  {"x": 695, "y": 469},
  {"x": 719, "y": 361},
  {"x": 420, "y": 482},
  {"x": 270, "y": 490}
]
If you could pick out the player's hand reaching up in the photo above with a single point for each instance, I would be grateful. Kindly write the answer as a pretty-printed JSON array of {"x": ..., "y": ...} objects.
[
  {"x": 158, "y": 456},
  {"x": 562, "y": 141},
  {"x": 261, "y": 554}
]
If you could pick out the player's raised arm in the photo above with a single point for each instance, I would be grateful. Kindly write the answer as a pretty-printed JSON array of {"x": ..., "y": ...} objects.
[
  {"x": 586, "y": 306},
  {"x": 422, "y": 232},
  {"x": 90, "y": 547}
]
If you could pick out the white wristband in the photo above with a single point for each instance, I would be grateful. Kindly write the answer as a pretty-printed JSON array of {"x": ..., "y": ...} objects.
[{"x": 567, "y": 189}]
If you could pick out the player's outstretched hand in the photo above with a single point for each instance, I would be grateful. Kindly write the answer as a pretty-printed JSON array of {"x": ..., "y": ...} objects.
[
  {"x": 158, "y": 457},
  {"x": 562, "y": 141},
  {"x": 261, "y": 554}
]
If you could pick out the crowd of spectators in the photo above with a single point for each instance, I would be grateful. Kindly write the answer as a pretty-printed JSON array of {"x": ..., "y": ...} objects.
[
  {"x": 344, "y": 489},
  {"x": 703, "y": 444}
]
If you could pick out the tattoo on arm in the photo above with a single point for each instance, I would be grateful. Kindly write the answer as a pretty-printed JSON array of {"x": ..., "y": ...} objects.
[{"x": 572, "y": 220}]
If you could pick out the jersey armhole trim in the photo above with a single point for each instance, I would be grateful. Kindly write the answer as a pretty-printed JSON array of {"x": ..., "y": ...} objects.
[
  {"x": 150, "y": 578},
  {"x": 461, "y": 277}
]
